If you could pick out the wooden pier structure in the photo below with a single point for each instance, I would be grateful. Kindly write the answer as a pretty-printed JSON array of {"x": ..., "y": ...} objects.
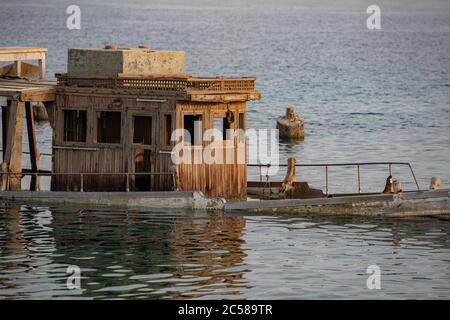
[{"x": 21, "y": 85}]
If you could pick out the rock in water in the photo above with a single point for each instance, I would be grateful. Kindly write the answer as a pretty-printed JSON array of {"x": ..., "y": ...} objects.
[{"x": 291, "y": 126}]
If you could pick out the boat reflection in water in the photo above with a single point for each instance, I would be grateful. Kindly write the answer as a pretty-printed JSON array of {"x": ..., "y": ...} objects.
[
  {"x": 121, "y": 254},
  {"x": 27, "y": 248},
  {"x": 167, "y": 255}
]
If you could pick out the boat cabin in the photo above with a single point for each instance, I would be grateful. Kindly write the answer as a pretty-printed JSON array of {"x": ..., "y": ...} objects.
[{"x": 116, "y": 117}]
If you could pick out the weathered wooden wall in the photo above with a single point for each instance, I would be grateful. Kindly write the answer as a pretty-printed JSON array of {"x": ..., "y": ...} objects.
[
  {"x": 93, "y": 157},
  {"x": 104, "y": 160},
  {"x": 224, "y": 180}
]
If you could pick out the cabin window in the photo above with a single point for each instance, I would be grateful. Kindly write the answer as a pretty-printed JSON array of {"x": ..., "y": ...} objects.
[
  {"x": 193, "y": 129},
  {"x": 222, "y": 125},
  {"x": 167, "y": 129},
  {"x": 75, "y": 125},
  {"x": 109, "y": 127},
  {"x": 241, "y": 126},
  {"x": 142, "y": 133}
]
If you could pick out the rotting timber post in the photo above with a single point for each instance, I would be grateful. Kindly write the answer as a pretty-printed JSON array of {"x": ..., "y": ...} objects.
[{"x": 291, "y": 126}]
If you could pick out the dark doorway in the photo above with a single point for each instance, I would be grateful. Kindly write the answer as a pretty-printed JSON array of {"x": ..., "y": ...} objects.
[{"x": 142, "y": 164}]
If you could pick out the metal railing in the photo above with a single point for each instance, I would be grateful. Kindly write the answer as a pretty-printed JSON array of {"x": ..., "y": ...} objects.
[
  {"x": 326, "y": 166},
  {"x": 82, "y": 176},
  {"x": 127, "y": 175}
]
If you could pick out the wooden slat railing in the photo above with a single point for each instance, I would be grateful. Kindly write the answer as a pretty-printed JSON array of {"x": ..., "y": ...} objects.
[{"x": 162, "y": 83}]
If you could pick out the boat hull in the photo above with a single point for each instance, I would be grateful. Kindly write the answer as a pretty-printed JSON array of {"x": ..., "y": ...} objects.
[
  {"x": 420, "y": 203},
  {"x": 141, "y": 200}
]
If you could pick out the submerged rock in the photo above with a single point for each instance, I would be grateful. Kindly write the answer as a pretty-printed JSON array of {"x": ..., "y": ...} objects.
[{"x": 291, "y": 126}]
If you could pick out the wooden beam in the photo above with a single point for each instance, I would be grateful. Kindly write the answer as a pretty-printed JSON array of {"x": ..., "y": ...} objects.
[
  {"x": 38, "y": 95},
  {"x": 24, "y": 90},
  {"x": 4, "y": 130},
  {"x": 42, "y": 66},
  {"x": 20, "y": 56},
  {"x": 18, "y": 66},
  {"x": 224, "y": 97},
  {"x": 13, "y": 150},
  {"x": 29, "y": 83},
  {"x": 50, "y": 107},
  {"x": 5, "y": 177},
  {"x": 172, "y": 76},
  {"x": 35, "y": 155}
]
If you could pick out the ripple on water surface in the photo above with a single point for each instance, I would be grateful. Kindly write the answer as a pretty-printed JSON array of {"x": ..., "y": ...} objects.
[{"x": 164, "y": 255}]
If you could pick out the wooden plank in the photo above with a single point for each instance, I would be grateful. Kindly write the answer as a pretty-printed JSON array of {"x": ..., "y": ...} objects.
[
  {"x": 27, "y": 82},
  {"x": 23, "y": 86},
  {"x": 214, "y": 96},
  {"x": 4, "y": 129},
  {"x": 38, "y": 95},
  {"x": 18, "y": 66},
  {"x": 137, "y": 76},
  {"x": 21, "y": 53},
  {"x": 5, "y": 177},
  {"x": 26, "y": 90},
  {"x": 122, "y": 93},
  {"x": 33, "y": 147},
  {"x": 5, "y": 50},
  {"x": 13, "y": 150},
  {"x": 42, "y": 66}
]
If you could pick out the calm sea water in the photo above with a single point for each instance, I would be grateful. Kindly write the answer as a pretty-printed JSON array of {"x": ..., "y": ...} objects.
[
  {"x": 364, "y": 95},
  {"x": 210, "y": 255}
]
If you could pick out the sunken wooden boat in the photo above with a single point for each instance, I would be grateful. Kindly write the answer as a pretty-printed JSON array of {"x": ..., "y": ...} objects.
[
  {"x": 116, "y": 117},
  {"x": 113, "y": 116}
]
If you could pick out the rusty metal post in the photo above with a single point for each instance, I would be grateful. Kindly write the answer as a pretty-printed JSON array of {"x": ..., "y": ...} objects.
[{"x": 414, "y": 176}]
